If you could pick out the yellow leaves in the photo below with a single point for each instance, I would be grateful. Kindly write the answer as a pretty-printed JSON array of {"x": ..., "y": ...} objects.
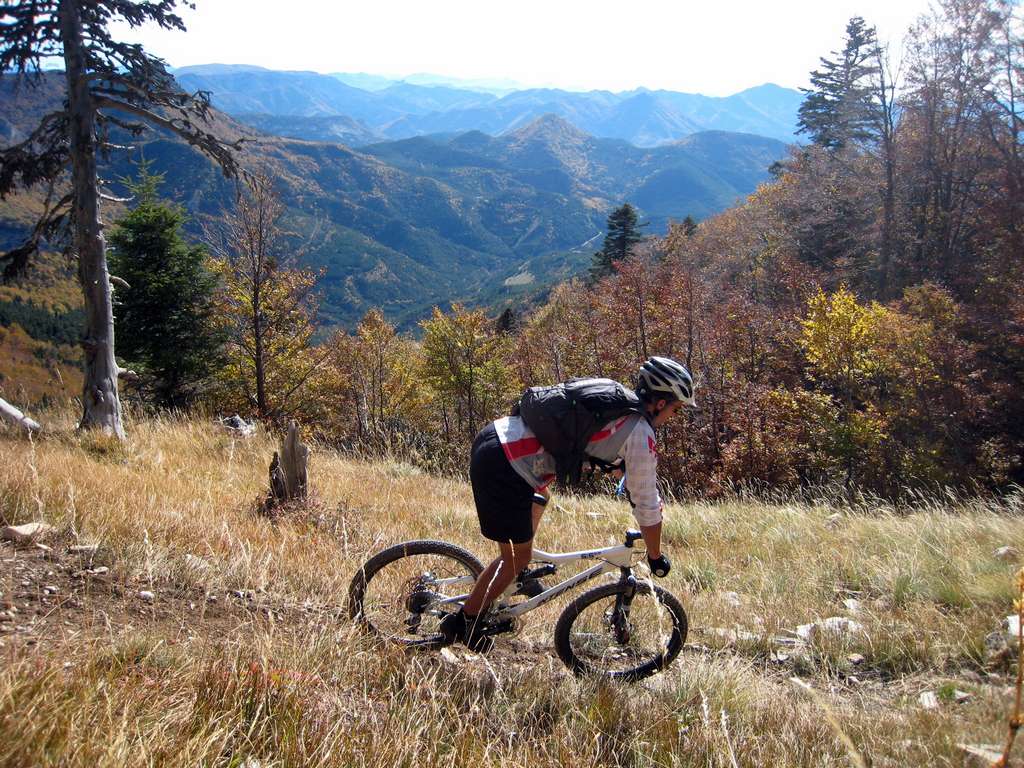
[
  {"x": 466, "y": 365},
  {"x": 839, "y": 335}
]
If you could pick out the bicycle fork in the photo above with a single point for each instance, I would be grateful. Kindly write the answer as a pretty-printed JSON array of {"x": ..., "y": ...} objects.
[{"x": 623, "y": 602}]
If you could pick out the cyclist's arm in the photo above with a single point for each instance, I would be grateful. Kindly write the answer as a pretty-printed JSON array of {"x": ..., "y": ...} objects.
[
  {"x": 641, "y": 481},
  {"x": 652, "y": 539}
]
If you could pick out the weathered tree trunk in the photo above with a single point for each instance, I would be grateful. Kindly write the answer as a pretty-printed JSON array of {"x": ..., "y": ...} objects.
[
  {"x": 12, "y": 414},
  {"x": 288, "y": 481},
  {"x": 101, "y": 407}
]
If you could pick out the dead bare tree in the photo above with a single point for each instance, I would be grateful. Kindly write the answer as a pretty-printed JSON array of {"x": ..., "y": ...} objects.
[{"x": 109, "y": 85}]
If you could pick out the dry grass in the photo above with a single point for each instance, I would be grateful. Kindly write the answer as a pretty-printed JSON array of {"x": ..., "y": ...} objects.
[{"x": 280, "y": 678}]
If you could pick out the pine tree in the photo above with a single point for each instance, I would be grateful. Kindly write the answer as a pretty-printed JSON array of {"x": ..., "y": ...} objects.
[
  {"x": 623, "y": 234},
  {"x": 163, "y": 313},
  {"x": 838, "y": 107}
]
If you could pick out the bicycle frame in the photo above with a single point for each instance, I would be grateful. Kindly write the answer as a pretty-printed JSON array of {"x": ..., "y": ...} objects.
[{"x": 619, "y": 557}]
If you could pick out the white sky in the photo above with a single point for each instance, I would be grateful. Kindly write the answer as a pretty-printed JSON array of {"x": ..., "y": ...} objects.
[{"x": 715, "y": 48}]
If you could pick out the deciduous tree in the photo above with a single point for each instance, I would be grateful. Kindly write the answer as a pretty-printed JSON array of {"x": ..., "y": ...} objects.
[{"x": 266, "y": 306}]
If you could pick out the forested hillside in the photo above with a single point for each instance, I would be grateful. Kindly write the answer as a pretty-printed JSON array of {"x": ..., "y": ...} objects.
[{"x": 409, "y": 225}]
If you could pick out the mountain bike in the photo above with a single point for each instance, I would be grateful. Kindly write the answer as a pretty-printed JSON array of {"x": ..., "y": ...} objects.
[{"x": 626, "y": 629}]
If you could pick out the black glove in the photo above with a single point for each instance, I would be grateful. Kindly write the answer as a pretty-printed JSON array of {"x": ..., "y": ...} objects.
[{"x": 660, "y": 566}]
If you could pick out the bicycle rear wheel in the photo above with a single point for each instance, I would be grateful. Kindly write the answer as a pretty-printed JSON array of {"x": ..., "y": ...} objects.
[
  {"x": 403, "y": 592},
  {"x": 594, "y": 635}
]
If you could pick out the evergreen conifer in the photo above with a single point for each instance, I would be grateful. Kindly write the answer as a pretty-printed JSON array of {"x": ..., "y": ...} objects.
[
  {"x": 163, "y": 316},
  {"x": 623, "y": 234}
]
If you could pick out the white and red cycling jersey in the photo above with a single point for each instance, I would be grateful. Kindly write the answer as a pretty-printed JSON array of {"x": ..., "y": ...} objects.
[{"x": 630, "y": 438}]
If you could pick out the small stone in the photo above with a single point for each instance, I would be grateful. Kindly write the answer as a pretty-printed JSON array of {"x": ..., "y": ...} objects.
[
  {"x": 855, "y": 659},
  {"x": 1012, "y": 625},
  {"x": 961, "y": 697},
  {"x": 147, "y": 596},
  {"x": 27, "y": 533},
  {"x": 98, "y": 571},
  {"x": 805, "y": 631},
  {"x": 928, "y": 700},
  {"x": 86, "y": 550},
  {"x": 732, "y": 599},
  {"x": 238, "y": 426},
  {"x": 211, "y": 598},
  {"x": 449, "y": 657},
  {"x": 852, "y": 605},
  {"x": 51, "y": 589},
  {"x": 1007, "y": 554},
  {"x": 6, "y": 616},
  {"x": 853, "y": 680},
  {"x": 840, "y": 625},
  {"x": 780, "y": 656}
]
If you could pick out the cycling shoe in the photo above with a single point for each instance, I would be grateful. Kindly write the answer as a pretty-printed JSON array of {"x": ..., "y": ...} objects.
[{"x": 457, "y": 627}]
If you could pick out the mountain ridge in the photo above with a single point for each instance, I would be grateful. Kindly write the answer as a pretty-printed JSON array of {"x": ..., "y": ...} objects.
[{"x": 402, "y": 109}]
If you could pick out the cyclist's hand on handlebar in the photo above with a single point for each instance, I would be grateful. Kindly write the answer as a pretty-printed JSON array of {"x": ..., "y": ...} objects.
[{"x": 660, "y": 566}]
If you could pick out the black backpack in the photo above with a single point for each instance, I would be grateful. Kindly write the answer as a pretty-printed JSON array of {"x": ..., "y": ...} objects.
[{"x": 564, "y": 418}]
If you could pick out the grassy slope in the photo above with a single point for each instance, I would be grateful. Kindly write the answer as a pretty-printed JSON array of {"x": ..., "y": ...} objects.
[{"x": 97, "y": 677}]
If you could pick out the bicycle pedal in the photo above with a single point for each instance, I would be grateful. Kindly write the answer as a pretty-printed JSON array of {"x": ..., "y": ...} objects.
[
  {"x": 498, "y": 628},
  {"x": 530, "y": 588},
  {"x": 547, "y": 569}
]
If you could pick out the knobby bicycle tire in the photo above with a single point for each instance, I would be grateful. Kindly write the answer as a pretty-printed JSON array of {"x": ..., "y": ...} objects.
[
  {"x": 363, "y": 577},
  {"x": 671, "y": 649}
]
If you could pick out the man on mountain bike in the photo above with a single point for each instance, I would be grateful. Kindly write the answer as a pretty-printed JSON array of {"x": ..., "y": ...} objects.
[{"x": 510, "y": 472}]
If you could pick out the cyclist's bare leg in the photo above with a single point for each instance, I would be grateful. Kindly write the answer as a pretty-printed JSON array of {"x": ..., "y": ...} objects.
[
  {"x": 514, "y": 557},
  {"x": 498, "y": 575}
]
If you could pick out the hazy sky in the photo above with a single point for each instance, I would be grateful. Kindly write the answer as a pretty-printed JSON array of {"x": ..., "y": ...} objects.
[{"x": 715, "y": 48}]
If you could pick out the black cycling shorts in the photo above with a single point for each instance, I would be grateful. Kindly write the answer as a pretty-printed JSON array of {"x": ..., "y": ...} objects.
[{"x": 504, "y": 501}]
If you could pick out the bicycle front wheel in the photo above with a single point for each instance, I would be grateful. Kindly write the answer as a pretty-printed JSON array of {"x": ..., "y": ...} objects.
[
  {"x": 403, "y": 592},
  {"x": 597, "y": 635}
]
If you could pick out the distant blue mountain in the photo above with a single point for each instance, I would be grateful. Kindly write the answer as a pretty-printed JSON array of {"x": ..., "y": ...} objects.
[{"x": 401, "y": 109}]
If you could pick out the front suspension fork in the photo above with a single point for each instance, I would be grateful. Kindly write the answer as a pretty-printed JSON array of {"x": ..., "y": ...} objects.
[{"x": 623, "y": 602}]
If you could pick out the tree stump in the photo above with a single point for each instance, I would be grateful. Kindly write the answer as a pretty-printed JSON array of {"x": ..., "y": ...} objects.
[{"x": 288, "y": 482}]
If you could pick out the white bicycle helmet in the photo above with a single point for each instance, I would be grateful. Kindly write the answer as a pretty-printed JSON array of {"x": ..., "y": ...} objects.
[{"x": 664, "y": 377}]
